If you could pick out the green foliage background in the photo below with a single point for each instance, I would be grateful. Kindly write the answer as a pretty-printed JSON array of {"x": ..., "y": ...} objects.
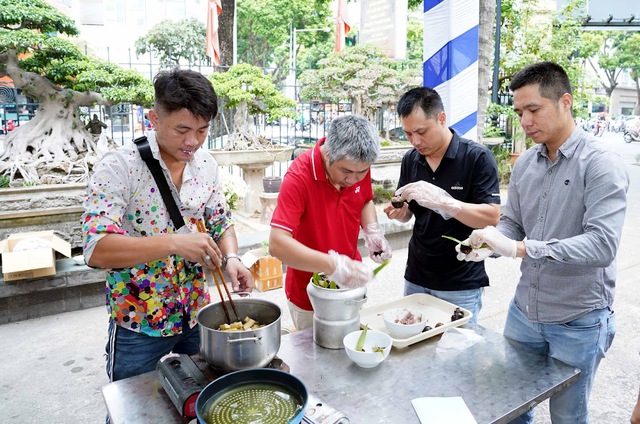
[{"x": 38, "y": 30}]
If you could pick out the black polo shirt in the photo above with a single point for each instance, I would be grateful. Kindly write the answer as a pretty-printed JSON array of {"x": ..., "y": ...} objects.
[{"x": 469, "y": 173}]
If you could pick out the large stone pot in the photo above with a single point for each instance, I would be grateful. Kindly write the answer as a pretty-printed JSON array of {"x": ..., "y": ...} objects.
[
  {"x": 253, "y": 164},
  {"x": 55, "y": 207},
  {"x": 251, "y": 157}
]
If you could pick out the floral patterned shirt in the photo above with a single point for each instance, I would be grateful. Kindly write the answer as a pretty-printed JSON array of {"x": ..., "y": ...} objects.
[{"x": 122, "y": 198}]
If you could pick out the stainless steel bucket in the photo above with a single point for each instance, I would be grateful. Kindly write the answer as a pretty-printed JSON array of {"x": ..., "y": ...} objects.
[
  {"x": 236, "y": 350},
  {"x": 336, "y": 313}
]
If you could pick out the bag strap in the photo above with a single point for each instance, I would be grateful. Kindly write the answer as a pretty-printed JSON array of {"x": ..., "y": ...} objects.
[{"x": 156, "y": 170}]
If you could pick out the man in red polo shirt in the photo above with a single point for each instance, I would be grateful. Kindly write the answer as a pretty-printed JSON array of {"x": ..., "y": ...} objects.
[{"x": 325, "y": 198}]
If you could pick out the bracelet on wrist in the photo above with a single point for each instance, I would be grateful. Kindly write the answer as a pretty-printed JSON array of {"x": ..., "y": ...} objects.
[{"x": 228, "y": 256}]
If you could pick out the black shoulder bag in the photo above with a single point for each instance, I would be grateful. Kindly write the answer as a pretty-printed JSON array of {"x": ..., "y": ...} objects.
[{"x": 156, "y": 170}]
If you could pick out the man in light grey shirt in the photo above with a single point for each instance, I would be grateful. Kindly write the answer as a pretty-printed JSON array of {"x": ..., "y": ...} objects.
[{"x": 564, "y": 214}]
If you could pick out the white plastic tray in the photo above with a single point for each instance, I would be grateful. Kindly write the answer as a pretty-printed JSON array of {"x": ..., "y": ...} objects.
[{"x": 436, "y": 310}]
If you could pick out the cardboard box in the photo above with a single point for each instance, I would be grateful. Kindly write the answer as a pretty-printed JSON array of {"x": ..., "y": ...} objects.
[
  {"x": 266, "y": 270},
  {"x": 39, "y": 262}
]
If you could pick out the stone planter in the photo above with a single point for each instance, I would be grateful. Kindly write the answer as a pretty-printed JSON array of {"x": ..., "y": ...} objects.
[
  {"x": 491, "y": 141},
  {"x": 55, "y": 207},
  {"x": 387, "y": 166},
  {"x": 251, "y": 157},
  {"x": 253, "y": 164},
  {"x": 301, "y": 148}
]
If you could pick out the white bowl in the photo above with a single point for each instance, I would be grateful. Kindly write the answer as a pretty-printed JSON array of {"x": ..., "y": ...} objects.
[
  {"x": 368, "y": 358},
  {"x": 392, "y": 320}
]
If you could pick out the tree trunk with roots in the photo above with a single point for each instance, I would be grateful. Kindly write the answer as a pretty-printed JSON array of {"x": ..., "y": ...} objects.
[
  {"x": 54, "y": 147},
  {"x": 225, "y": 33},
  {"x": 357, "y": 108},
  {"x": 243, "y": 136},
  {"x": 485, "y": 41}
]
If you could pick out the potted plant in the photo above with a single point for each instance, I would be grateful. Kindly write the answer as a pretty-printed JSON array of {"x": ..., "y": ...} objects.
[
  {"x": 233, "y": 187},
  {"x": 492, "y": 135},
  {"x": 503, "y": 160},
  {"x": 247, "y": 89}
]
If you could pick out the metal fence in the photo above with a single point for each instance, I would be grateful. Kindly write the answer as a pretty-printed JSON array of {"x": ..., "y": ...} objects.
[{"x": 126, "y": 121}]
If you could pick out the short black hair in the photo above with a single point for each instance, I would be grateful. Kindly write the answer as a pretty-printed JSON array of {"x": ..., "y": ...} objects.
[
  {"x": 552, "y": 78},
  {"x": 178, "y": 89},
  {"x": 426, "y": 98}
]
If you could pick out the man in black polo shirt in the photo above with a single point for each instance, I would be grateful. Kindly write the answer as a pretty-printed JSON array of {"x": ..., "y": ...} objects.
[{"x": 451, "y": 186}]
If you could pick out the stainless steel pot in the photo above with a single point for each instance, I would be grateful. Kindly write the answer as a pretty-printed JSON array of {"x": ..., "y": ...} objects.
[
  {"x": 235, "y": 350},
  {"x": 336, "y": 313},
  {"x": 336, "y": 304}
]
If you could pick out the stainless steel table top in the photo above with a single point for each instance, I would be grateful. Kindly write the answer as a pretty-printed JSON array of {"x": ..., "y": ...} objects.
[{"x": 498, "y": 380}]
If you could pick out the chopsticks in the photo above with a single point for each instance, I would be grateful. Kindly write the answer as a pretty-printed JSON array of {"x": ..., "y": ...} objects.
[{"x": 202, "y": 229}]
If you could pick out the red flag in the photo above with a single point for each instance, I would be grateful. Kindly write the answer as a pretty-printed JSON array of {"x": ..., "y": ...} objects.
[
  {"x": 213, "y": 42},
  {"x": 342, "y": 27}
]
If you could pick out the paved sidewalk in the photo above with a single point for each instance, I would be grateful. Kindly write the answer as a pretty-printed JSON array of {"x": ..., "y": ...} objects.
[{"x": 52, "y": 368}]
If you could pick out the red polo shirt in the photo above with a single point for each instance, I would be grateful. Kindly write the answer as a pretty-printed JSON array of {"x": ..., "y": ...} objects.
[{"x": 318, "y": 215}]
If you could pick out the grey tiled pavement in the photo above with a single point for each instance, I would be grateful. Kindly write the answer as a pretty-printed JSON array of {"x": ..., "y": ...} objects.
[{"x": 52, "y": 368}]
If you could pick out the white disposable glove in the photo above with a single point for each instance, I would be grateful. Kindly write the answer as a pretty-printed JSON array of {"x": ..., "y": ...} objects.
[
  {"x": 475, "y": 255},
  {"x": 349, "y": 274},
  {"x": 498, "y": 242},
  {"x": 379, "y": 248},
  {"x": 430, "y": 196}
]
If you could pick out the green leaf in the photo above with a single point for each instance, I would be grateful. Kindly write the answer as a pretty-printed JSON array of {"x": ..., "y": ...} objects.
[
  {"x": 379, "y": 267},
  {"x": 361, "y": 339},
  {"x": 456, "y": 240}
]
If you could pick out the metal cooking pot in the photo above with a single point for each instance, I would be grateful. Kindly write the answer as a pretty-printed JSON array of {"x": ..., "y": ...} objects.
[
  {"x": 235, "y": 350},
  {"x": 336, "y": 313},
  {"x": 225, "y": 394},
  {"x": 336, "y": 304}
]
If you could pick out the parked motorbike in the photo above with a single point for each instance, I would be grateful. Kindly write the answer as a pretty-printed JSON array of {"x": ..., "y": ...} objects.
[
  {"x": 599, "y": 127},
  {"x": 631, "y": 135}
]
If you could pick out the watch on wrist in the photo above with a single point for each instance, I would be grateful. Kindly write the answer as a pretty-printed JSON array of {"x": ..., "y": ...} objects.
[{"x": 228, "y": 256}]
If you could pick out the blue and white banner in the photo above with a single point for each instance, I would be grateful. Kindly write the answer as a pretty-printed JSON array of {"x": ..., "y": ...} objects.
[{"x": 451, "y": 60}]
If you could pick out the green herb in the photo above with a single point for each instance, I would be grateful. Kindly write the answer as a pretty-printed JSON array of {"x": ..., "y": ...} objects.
[
  {"x": 457, "y": 241},
  {"x": 378, "y": 349},
  {"x": 379, "y": 267},
  {"x": 361, "y": 339},
  {"x": 321, "y": 280},
  {"x": 484, "y": 245}
]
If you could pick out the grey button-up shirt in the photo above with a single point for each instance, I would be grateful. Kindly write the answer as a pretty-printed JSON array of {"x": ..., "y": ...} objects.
[{"x": 571, "y": 213}]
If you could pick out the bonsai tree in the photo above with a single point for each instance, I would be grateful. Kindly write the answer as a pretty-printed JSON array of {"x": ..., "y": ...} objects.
[
  {"x": 362, "y": 74},
  {"x": 54, "y": 146},
  {"x": 247, "y": 89}
]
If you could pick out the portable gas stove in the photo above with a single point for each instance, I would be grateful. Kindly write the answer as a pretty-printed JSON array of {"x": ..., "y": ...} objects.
[
  {"x": 184, "y": 377},
  {"x": 183, "y": 382}
]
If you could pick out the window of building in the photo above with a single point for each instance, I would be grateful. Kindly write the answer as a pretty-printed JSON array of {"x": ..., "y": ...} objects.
[{"x": 92, "y": 12}]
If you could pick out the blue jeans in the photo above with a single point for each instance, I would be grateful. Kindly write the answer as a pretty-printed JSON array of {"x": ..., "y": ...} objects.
[
  {"x": 470, "y": 300},
  {"x": 581, "y": 343},
  {"x": 130, "y": 353}
]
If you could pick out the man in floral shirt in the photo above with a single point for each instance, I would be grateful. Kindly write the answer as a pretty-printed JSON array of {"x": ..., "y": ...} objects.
[{"x": 155, "y": 280}]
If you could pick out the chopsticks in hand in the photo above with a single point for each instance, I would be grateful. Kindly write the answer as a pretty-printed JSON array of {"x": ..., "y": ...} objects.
[{"x": 203, "y": 229}]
